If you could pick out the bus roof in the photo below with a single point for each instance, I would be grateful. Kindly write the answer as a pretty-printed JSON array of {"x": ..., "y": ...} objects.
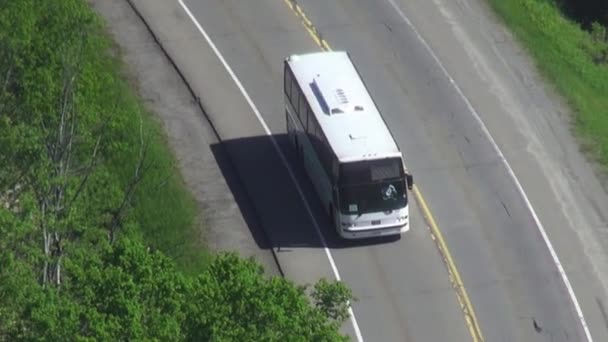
[{"x": 343, "y": 106}]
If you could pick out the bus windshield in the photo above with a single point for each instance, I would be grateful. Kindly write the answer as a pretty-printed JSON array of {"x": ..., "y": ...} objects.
[
  {"x": 372, "y": 186},
  {"x": 374, "y": 197}
]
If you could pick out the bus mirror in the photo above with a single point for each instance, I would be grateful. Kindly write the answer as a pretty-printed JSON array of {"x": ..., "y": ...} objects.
[{"x": 410, "y": 180}]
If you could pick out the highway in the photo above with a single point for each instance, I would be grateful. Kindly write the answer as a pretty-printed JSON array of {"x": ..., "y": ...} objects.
[{"x": 467, "y": 120}]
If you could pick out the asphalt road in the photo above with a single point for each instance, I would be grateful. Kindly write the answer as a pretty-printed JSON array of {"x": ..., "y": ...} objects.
[{"x": 403, "y": 287}]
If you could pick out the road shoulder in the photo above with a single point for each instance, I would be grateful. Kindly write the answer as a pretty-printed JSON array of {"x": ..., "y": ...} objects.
[{"x": 207, "y": 174}]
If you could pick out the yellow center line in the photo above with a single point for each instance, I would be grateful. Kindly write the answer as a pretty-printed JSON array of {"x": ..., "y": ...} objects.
[
  {"x": 436, "y": 236},
  {"x": 312, "y": 30},
  {"x": 461, "y": 292}
]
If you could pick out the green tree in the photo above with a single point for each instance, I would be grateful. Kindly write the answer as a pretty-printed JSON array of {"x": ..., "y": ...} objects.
[
  {"x": 332, "y": 299},
  {"x": 233, "y": 301},
  {"x": 127, "y": 292}
]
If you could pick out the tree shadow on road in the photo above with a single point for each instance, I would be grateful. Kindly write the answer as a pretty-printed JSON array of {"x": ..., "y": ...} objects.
[{"x": 267, "y": 196}]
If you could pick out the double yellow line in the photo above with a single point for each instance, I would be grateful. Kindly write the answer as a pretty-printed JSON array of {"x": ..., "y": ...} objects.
[
  {"x": 461, "y": 292},
  {"x": 312, "y": 30},
  {"x": 455, "y": 279}
]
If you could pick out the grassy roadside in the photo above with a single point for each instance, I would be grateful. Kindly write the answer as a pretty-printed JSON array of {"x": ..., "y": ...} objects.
[
  {"x": 162, "y": 206},
  {"x": 567, "y": 56}
]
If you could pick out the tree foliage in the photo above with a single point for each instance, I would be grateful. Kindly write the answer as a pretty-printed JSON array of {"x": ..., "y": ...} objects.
[
  {"x": 126, "y": 292},
  {"x": 74, "y": 148}
]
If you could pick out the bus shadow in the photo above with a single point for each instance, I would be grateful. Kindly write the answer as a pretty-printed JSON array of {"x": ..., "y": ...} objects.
[{"x": 270, "y": 201}]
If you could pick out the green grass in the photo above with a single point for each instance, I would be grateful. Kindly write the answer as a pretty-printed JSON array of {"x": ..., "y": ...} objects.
[
  {"x": 164, "y": 209},
  {"x": 565, "y": 54}
]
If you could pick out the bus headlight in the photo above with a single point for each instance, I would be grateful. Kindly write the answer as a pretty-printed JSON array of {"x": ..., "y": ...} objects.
[
  {"x": 402, "y": 218},
  {"x": 347, "y": 224}
]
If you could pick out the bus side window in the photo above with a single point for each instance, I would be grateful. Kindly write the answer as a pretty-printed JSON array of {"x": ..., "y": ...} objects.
[
  {"x": 312, "y": 129},
  {"x": 335, "y": 168},
  {"x": 320, "y": 145},
  {"x": 309, "y": 117},
  {"x": 294, "y": 94},
  {"x": 287, "y": 82},
  {"x": 302, "y": 107},
  {"x": 325, "y": 153}
]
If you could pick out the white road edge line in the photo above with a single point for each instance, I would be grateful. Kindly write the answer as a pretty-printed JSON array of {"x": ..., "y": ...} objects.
[
  {"x": 353, "y": 319},
  {"x": 539, "y": 225}
]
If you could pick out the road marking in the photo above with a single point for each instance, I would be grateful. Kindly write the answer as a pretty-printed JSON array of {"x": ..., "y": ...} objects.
[
  {"x": 312, "y": 30},
  {"x": 254, "y": 108},
  {"x": 453, "y": 274},
  {"x": 461, "y": 293},
  {"x": 520, "y": 188}
]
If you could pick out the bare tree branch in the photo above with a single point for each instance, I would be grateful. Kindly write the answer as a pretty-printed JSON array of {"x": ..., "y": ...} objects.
[
  {"x": 140, "y": 171},
  {"x": 86, "y": 176},
  {"x": 52, "y": 196},
  {"x": 66, "y": 170},
  {"x": 70, "y": 141},
  {"x": 7, "y": 78},
  {"x": 45, "y": 236}
]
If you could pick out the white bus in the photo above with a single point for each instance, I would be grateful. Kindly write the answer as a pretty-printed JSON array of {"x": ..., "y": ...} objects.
[{"x": 345, "y": 146}]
